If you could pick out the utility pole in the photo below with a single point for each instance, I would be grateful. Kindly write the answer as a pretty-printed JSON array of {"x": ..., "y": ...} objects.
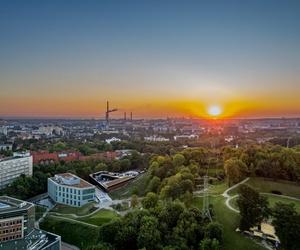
[{"x": 205, "y": 208}]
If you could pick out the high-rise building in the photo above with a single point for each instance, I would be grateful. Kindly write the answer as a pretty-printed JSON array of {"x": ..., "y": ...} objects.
[
  {"x": 3, "y": 130},
  {"x": 12, "y": 167},
  {"x": 17, "y": 230},
  {"x": 70, "y": 190}
]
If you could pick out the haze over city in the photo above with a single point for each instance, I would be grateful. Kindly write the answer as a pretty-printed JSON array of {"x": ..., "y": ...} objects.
[{"x": 156, "y": 59}]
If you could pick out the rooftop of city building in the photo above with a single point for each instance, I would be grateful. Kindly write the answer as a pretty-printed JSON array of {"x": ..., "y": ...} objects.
[
  {"x": 9, "y": 204},
  {"x": 71, "y": 180}
]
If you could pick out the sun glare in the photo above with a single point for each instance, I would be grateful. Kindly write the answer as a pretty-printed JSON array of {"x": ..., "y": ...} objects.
[{"x": 214, "y": 111}]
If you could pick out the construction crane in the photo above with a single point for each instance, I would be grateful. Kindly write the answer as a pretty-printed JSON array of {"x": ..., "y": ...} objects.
[{"x": 108, "y": 111}]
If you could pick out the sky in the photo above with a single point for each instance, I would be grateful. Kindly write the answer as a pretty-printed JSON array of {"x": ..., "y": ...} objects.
[{"x": 152, "y": 58}]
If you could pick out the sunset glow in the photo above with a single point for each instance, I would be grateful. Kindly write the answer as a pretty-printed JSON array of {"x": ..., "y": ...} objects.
[
  {"x": 214, "y": 111},
  {"x": 154, "y": 62}
]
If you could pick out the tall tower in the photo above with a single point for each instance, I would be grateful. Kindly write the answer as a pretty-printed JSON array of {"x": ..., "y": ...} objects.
[
  {"x": 131, "y": 116},
  {"x": 205, "y": 208},
  {"x": 125, "y": 116},
  {"x": 108, "y": 111}
]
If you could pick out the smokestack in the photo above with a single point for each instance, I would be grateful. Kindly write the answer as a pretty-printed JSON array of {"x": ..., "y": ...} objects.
[
  {"x": 131, "y": 116},
  {"x": 125, "y": 116}
]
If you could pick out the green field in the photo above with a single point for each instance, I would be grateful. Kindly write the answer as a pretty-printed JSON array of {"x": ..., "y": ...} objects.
[
  {"x": 272, "y": 200},
  {"x": 264, "y": 185},
  {"x": 229, "y": 220},
  {"x": 218, "y": 188},
  {"x": 100, "y": 217},
  {"x": 137, "y": 186},
  {"x": 267, "y": 186},
  {"x": 84, "y": 210},
  {"x": 72, "y": 232}
]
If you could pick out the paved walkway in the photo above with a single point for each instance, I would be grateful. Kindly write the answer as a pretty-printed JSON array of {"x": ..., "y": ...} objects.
[{"x": 229, "y": 198}]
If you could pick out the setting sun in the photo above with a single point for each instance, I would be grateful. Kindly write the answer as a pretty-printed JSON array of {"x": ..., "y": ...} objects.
[{"x": 214, "y": 111}]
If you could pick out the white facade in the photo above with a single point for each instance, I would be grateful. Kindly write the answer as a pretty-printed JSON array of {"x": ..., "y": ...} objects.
[
  {"x": 11, "y": 168},
  {"x": 68, "y": 189},
  {"x": 3, "y": 130},
  {"x": 156, "y": 138}
]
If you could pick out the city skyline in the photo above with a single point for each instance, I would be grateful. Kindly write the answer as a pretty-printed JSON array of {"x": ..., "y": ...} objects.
[{"x": 155, "y": 59}]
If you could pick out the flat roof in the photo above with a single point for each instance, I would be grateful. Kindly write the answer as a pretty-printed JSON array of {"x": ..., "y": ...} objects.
[
  {"x": 82, "y": 183},
  {"x": 39, "y": 238},
  {"x": 10, "y": 204}
]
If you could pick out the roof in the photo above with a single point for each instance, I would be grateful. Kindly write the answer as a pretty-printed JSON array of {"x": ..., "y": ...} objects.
[
  {"x": 117, "y": 181},
  {"x": 9, "y": 204},
  {"x": 38, "y": 238},
  {"x": 80, "y": 183}
]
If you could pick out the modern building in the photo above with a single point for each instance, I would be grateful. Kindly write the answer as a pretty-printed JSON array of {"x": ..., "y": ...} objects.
[
  {"x": 12, "y": 167},
  {"x": 109, "y": 181},
  {"x": 70, "y": 190},
  {"x": 17, "y": 230}
]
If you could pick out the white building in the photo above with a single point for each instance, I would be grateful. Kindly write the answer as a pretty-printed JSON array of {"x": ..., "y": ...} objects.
[
  {"x": 114, "y": 139},
  {"x": 3, "y": 130},
  {"x": 156, "y": 138},
  {"x": 70, "y": 190},
  {"x": 12, "y": 167},
  {"x": 185, "y": 137}
]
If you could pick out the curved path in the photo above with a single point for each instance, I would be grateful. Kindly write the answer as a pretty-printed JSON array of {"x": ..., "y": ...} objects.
[
  {"x": 229, "y": 198},
  {"x": 282, "y": 196}
]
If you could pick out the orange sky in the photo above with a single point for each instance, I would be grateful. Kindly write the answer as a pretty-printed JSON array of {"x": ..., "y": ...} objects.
[{"x": 149, "y": 107}]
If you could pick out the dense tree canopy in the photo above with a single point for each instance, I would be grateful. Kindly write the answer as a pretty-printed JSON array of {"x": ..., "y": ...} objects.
[
  {"x": 287, "y": 225},
  {"x": 253, "y": 207}
]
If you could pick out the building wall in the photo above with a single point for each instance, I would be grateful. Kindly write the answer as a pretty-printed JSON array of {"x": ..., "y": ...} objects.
[
  {"x": 69, "y": 195},
  {"x": 12, "y": 168},
  {"x": 11, "y": 228}
]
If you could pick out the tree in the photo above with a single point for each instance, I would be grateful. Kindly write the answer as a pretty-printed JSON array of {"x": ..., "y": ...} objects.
[
  {"x": 101, "y": 167},
  {"x": 178, "y": 160},
  {"x": 287, "y": 225},
  {"x": 214, "y": 230},
  {"x": 149, "y": 235},
  {"x": 154, "y": 185},
  {"x": 253, "y": 208},
  {"x": 150, "y": 200},
  {"x": 208, "y": 244},
  {"x": 134, "y": 201},
  {"x": 235, "y": 170}
]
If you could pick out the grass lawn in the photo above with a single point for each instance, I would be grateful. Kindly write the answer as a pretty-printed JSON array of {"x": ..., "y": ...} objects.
[
  {"x": 137, "y": 186},
  {"x": 84, "y": 210},
  {"x": 229, "y": 220},
  {"x": 272, "y": 200},
  {"x": 71, "y": 232},
  {"x": 100, "y": 217},
  {"x": 267, "y": 186},
  {"x": 218, "y": 188},
  {"x": 39, "y": 211}
]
